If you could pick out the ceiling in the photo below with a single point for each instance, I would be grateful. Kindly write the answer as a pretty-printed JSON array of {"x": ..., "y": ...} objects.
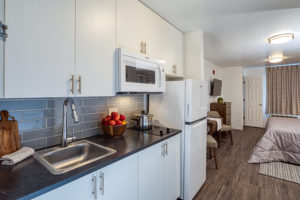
[{"x": 235, "y": 32}]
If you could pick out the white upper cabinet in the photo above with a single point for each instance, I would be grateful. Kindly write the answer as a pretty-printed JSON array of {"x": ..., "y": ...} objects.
[
  {"x": 132, "y": 22},
  {"x": 136, "y": 24},
  {"x": 40, "y": 48},
  {"x": 173, "y": 51},
  {"x": 194, "y": 55},
  {"x": 95, "y": 47}
]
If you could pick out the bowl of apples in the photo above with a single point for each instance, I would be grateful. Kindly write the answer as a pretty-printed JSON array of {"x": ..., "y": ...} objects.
[{"x": 114, "y": 124}]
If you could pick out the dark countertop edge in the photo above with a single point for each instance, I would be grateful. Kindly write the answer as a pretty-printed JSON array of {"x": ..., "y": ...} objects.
[{"x": 95, "y": 168}]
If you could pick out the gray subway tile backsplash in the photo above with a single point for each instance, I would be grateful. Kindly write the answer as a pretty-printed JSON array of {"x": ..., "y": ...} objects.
[{"x": 40, "y": 120}]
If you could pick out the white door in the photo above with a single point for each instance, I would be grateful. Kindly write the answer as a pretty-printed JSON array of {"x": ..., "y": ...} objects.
[
  {"x": 40, "y": 48},
  {"x": 119, "y": 180},
  {"x": 196, "y": 100},
  {"x": 253, "y": 102},
  {"x": 195, "y": 158},
  {"x": 79, "y": 189},
  {"x": 1, "y": 50},
  {"x": 171, "y": 169},
  {"x": 150, "y": 173},
  {"x": 95, "y": 47}
]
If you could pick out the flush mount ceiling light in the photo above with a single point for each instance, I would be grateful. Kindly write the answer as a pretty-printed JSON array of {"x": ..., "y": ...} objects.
[
  {"x": 275, "y": 59},
  {"x": 281, "y": 38}
]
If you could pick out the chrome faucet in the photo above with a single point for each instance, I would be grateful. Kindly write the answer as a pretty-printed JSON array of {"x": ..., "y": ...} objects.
[{"x": 64, "y": 142}]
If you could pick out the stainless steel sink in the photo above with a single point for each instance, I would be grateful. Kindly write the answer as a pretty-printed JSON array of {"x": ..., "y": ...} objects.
[{"x": 60, "y": 160}]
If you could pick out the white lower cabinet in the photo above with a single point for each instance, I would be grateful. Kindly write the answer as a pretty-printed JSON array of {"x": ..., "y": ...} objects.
[
  {"x": 159, "y": 171},
  {"x": 80, "y": 189},
  {"x": 114, "y": 182},
  {"x": 153, "y": 173},
  {"x": 119, "y": 180},
  {"x": 171, "y": 169}
]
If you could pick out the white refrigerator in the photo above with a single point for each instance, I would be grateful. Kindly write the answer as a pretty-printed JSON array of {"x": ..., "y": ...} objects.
[{"x": 184, "y": 106}]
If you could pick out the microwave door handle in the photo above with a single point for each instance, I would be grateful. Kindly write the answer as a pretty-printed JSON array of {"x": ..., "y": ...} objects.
[{"x": 159, "y": 76}]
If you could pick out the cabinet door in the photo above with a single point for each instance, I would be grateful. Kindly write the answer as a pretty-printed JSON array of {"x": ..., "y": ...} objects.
[
  {"x": 150, "y": 173},
  {"x": 171, "y": 169},
  {"x": 119, "y": 180},
  {"x": 137, "y": 23},
  {"x": 40, "y": 49},
  {"x": 131, "y": 29},
  {"x": 79, "y": 189},
  {"x": 1, "y": 50},
  {"x": 173, "y": 53},
  {"x": 95, "y": 47}
]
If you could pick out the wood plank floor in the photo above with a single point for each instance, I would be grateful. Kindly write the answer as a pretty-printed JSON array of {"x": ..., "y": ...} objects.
[{"x": 237, "y": 180}]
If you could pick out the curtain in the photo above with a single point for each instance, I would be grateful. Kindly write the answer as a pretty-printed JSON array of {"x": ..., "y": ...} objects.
[{"x": 283, "y": 90}]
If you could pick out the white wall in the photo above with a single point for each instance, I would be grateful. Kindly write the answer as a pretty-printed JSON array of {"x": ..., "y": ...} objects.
[
  {"x": 259, "y": 71},
  {"x": 209, "y": 76},
  {"x": 194, "y": 55},
  {"x": 232, "y": 91}
]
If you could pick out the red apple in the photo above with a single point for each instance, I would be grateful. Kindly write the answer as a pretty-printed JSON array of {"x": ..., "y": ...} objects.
[
  {"x": 117, "y": 117},
  {"x": 112, "y": 122},
  {"x": 107, "y": 118},
  {"x": 106, "y": 124},
  {"x": 119, "y": 122},
  {"x": 122, "y": 117},
  {"x": 103, "y": 120},
  {"x": 113, "y": 113}
]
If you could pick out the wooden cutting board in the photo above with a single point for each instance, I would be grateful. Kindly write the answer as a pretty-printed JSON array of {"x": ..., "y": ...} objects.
[{"x": 9, "y": 134}]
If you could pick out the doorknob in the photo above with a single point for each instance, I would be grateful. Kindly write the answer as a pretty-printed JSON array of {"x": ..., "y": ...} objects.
[{"x": 260, "y": 104}]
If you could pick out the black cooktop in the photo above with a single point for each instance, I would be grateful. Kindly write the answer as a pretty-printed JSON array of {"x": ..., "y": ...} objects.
[{"x": 155, "y": 130}]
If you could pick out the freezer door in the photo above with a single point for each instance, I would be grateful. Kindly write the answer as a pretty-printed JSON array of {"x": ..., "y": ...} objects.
[
  {"x": 195, "y": 158},
  {"x": 196, "y": 93}
]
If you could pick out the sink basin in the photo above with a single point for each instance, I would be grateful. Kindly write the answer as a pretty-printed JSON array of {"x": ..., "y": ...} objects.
[{"x": 60, "y": 160}]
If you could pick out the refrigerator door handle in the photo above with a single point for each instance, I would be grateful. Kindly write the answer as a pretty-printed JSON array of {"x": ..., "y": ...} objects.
[{"x": 188, "y": 110}]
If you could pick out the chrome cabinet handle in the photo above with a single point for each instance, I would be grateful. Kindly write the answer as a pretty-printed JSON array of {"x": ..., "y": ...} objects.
[
  {"x": 163, "y": 153},
  {"x": 3, "y": 33},
  {"x": 143, "y": 47},
  {"x": 94, "y": 192},
  {"x": 102, "y": 183},
  {"x": 79, "y": 84},
  {"x": 72, "y": 84},
  {"x": 166, "y": 148},
  {"x": 174, "y": 69}
]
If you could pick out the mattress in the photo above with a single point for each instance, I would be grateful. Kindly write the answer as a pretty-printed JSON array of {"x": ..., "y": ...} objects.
[{"x": 281, "y": 142}]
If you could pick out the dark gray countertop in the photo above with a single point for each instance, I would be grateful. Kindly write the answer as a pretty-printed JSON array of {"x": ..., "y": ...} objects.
[{"x": 30, "y": 179}]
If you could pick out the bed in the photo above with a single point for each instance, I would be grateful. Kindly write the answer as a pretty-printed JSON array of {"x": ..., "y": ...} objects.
[{"x": 281, "y": 142}]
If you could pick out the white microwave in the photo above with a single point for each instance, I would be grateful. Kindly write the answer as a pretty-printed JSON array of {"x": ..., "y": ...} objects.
[{"x": 138, "y": 73}]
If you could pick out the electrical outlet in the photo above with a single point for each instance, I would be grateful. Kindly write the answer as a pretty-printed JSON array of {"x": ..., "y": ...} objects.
[{"x": 110, "y": 110}]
